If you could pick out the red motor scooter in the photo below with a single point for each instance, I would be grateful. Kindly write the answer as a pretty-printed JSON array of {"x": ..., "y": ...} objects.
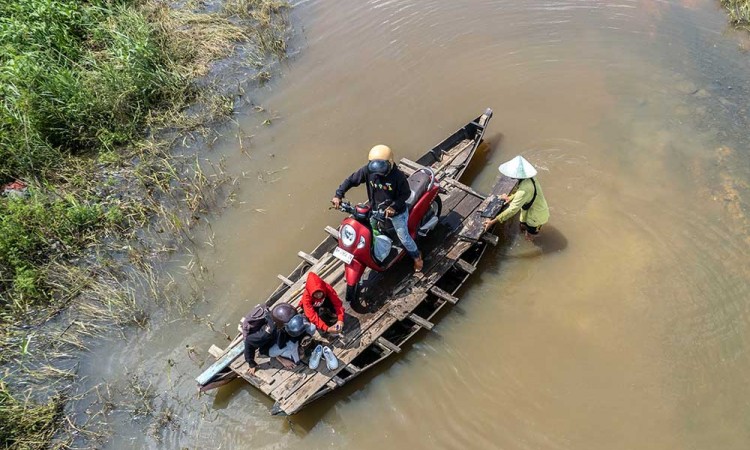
[{"x": 361, "y": 246}]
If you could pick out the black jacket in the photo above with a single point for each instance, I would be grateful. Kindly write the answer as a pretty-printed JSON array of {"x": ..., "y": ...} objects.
[
  {"x": 261, "y": 339},
  {"x": 391, "y": 189}
]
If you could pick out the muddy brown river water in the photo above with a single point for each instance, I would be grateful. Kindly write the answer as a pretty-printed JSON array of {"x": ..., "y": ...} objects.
[{"x": 627, "y": 327}]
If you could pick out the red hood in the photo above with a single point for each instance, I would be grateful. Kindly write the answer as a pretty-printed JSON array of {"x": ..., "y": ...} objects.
[{"x": 314, "y": 284}]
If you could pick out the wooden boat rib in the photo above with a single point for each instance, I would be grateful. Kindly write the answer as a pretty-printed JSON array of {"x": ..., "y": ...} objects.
[{"x": 407, "y": 303}]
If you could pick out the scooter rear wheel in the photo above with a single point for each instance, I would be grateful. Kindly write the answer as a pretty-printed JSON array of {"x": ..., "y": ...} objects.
[
  {"x": 352, "y": 297},
  {"x": 436, "y": 208},
  {"x": 438, "y": 205}
]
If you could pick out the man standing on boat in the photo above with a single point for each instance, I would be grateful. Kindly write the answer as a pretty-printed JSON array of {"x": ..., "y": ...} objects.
[
  {"x": 322, "y": 306},
  {"x": 527, "y": 197},
  {"x": 387, "y": 187}
]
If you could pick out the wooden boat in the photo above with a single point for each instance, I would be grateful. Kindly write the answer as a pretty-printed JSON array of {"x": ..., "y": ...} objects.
[{"x": 404, "y": 303}]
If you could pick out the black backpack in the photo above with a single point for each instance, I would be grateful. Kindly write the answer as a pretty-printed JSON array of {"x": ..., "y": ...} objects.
[{"x": 258, "y": 317}]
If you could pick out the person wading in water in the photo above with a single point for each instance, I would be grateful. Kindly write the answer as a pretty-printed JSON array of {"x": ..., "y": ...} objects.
[{"x": 526, "y": 197}]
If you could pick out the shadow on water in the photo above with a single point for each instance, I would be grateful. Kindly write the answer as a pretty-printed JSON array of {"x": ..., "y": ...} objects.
[
  {"x": 304, "y": 421},
  {"x": 481, "y": 158},
  {"x": 225, "y": 393},
  {"x": 549, "y": 240}
]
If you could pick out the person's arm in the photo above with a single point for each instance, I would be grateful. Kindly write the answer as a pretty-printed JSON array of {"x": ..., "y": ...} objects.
[
  {"x": 338, "y": 305},
  {"x": 517, "y": 200},
  {"x": 353, "y": 180},
  {"x": 287, "y": 363},
  {"x": 312, "y": 315},
  {"x": 250, "y": 354}
]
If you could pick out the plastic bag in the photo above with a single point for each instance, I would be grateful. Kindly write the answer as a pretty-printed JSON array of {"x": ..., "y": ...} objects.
[{"x": 382, "y": 247}]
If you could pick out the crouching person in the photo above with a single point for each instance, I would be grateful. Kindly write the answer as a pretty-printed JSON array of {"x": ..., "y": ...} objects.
[
  {"x": 291, "y": 329},
  {"x": 322, "y": 306},
  {"x": 259, "y": 331}
]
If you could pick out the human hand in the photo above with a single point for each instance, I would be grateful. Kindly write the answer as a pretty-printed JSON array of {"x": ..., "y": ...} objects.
[
  {"x": 389, "y": 212},
  {"x": 336, "y": 202},
  {"x": 504, "y": 197},
  {"x": 337, "y": 327},
  {"x": 288, "y": 364},
  {"x": 488, "y": 223},
  {"x": 250, "y": 371}
]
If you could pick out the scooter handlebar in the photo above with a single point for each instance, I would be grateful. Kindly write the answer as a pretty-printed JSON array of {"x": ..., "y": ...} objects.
[
  {"x": 378, "y": 215},
  {"x": 344, "y": 206}
]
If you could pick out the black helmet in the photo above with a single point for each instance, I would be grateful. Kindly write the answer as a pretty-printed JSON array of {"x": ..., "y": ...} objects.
[
  {"x": 295, "y": 326},
  {"x": 282, "y": 313}
]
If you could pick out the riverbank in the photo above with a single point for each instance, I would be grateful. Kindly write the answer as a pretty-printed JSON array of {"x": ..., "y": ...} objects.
[{"x": 105, "y": 105}]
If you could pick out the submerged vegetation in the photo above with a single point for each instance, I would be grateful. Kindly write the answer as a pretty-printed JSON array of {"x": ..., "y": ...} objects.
[
  {"x": 24, "y": 424},
  {"x": 93, "y": 96}
]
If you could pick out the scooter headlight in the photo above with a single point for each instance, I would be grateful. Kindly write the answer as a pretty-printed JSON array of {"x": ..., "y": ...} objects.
[
  {"x": 347, "y": 235},
  {"x": 361, "y": 242}
]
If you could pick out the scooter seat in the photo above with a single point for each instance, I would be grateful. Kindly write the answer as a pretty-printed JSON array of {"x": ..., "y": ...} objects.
[{"x": 418, "y": 183}]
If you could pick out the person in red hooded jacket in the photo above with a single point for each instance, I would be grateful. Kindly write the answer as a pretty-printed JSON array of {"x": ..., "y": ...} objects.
[{"x": 322, "y": 306}]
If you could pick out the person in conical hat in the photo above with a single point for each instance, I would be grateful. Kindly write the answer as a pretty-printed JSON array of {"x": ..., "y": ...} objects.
[{"x": 527, "y": 197}]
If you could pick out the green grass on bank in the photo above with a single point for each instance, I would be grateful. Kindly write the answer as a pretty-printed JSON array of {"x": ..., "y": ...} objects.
[
  {"x": 85, "y": 79},
  {"x": 739, "y": 12},
  {"x": 31, "y": 230},
  {"x": 75, "y": 77}
]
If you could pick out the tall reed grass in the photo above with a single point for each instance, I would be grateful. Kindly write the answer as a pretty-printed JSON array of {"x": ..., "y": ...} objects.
[{"x": 77, "y": 77}]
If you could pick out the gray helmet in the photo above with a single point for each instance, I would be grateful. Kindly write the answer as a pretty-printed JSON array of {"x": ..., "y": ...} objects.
[
  {"x": 295, "y": 326},
  {"x": 282, "y": 313}
]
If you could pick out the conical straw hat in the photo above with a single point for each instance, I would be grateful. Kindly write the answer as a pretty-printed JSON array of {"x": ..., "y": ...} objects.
[{"x": 517, "y": 168}]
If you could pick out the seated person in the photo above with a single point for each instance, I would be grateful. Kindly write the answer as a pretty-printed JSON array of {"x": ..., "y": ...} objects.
[
  {"x": 322, "y": 306},
  {"x": 286, "y": 349},
  {"x": 263, "y": 330}
]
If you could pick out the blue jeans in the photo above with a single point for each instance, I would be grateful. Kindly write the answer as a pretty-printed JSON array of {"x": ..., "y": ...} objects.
[{"x": 400, "y": 224}]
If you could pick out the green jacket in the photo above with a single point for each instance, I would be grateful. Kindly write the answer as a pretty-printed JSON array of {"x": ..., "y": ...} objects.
[{"x": 537, "y": 215}]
